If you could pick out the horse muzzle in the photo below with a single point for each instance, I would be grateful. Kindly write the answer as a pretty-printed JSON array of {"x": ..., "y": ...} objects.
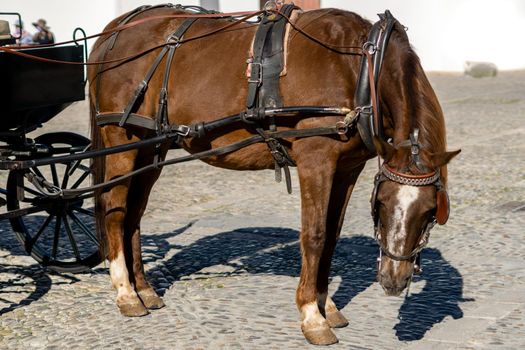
[{"x": 394, "y": 283}]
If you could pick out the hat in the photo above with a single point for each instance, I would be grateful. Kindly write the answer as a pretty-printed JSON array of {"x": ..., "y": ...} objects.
[
  {"x": 5, "y": 32},
  {"x": 41, "y": 23}
]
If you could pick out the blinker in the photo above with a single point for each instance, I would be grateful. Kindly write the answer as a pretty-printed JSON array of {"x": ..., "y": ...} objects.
[{"x": 442, "y": 207}]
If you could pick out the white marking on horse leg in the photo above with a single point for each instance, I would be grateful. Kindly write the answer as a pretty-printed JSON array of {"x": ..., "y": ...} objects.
[
  {"x": 120, "y": 279},
  {"x": 311, "y": 317}
]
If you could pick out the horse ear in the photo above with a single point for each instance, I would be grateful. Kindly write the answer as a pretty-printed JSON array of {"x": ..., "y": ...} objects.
[
  {"x": 384, "y": 149},
  {"x": 439, "y": 159}
]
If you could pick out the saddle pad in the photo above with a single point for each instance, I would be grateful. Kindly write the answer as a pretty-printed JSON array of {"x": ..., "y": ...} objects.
[{"x": 293, "y": 18}]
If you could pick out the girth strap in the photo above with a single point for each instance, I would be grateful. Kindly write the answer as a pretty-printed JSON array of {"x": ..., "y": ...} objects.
[{"x": 266, "y": 66}]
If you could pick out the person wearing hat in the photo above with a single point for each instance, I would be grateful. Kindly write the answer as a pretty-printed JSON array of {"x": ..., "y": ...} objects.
[
  {"x": 25, "y": 38},
  {"x": 43, "y": 35}
]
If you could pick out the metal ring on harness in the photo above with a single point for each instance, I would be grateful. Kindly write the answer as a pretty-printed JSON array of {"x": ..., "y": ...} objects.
[{"x": 370, "y": 47}]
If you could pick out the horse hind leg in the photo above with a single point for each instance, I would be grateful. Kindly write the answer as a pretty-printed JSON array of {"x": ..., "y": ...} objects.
[
  {"x": 137, "y": 200},
  {"x": 146, "y": 293},
  {"x": 114, "y": 210},
  {"x": 342, "y": 187}
]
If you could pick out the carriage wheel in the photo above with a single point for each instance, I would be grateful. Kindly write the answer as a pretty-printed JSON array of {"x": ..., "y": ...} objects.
[{"x": 58, "y": 233}]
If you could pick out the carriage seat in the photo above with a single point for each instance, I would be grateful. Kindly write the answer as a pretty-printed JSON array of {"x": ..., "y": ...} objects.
[{"x": 5, "y": 34}]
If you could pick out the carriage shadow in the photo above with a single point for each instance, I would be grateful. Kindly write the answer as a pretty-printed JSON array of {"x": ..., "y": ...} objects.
[
  {"x": 21, "y": 285},
  {"x": 275, "y": 250}
]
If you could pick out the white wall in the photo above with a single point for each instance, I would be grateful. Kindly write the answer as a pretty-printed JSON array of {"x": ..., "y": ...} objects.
[
  {"x": 63, "y": 16},
  {"x": 444, "y": 33}
]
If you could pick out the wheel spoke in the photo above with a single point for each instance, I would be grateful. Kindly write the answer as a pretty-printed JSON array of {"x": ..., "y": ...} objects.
[
  {"x": 56, "y": 237},
  {"x": 30, "y": 243},
  {"x": 54, "y": 174},
  {"x": 29, "y": 200},
  {"x": 72, "y": 239},
  {"x": 33, "y": 192},
  {"x": 19, "y": 213},
  {"x": 38, "y": 172},
  {"x": 76, "y": 165},
  {"x": 80, "y": 179},
  {"x": 84, "y": 228},
  {"x": 66, "y": 177},
  {"x": 85, "y": 211}
]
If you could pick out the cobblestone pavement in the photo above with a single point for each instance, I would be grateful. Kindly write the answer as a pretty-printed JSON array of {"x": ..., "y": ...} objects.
[{"x": 227, "y": 262}]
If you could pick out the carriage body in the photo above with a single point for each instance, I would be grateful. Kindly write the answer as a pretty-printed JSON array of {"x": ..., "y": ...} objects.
[
  {"x": 57, "y": 232},
  {"x": 32, "y": 92}
]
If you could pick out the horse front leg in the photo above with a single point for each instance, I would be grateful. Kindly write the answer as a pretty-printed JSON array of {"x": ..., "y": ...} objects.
[
  {"x": 114, "y": 207},
  {"x": 342, "y": 187},
  {"x": 316, "y": 184}
]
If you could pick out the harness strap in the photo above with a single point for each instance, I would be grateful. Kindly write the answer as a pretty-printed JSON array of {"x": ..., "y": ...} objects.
[
  {"x": 134, "y": 119},
  {"x": 370, "y": 120},
  {"x": 143, "y": 85},
  {"x": 266, "y": 66},
  {"x": 162, "y": 111},
  {"x": 294, "y": 133},
  {"x": 113, "y": 39},
  {"x": 200, "y": 129}
]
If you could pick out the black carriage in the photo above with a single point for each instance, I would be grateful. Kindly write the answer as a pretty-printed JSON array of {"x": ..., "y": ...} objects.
[{"x": 58, "y": 232}]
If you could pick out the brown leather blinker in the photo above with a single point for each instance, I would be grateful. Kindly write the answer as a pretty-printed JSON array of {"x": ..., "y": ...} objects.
[{"x": 442, "y": 207}]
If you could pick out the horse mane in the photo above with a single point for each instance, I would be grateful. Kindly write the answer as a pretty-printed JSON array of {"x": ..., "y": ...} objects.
[
  {"x": 425, "y": 112},
  {"x": 413, "y": 101}
]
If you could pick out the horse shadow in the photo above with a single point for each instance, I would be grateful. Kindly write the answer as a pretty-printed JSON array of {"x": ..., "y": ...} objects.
[
  {"x": 439, "y": 298},
  {"x": 275, "y": 250}
]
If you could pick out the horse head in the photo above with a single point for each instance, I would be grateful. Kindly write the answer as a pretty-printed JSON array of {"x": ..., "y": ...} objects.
[{"x": 409, "y": 198}]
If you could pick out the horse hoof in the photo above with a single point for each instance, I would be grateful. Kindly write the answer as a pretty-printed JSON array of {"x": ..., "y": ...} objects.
[
  {"x": 320, "y": 336},
  {"x": 336, "y": 319},
  {"x": 152, "y": 302},
  {"x": 133, "y": 310}
]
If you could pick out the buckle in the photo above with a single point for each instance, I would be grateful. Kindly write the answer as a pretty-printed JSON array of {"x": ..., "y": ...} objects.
[
  {"x": 174, "y": 40},
  {"x": 259, "y": 76},
  {"x": 364, "y": 110},
  {"x": 183, "y": 130}
]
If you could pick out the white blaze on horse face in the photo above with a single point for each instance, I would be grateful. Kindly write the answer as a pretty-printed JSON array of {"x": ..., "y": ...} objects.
[{"x": 397, "y": 233}]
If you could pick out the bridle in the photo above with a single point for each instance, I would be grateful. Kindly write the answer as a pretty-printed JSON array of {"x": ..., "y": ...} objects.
[{"x": 440, "y": 216}]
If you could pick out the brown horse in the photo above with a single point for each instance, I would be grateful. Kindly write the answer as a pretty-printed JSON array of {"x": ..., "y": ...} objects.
[{"x": 208, "y": 81}]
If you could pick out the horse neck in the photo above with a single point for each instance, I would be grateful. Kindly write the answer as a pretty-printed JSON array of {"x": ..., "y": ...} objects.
[{"x": 410, "y": 100}]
